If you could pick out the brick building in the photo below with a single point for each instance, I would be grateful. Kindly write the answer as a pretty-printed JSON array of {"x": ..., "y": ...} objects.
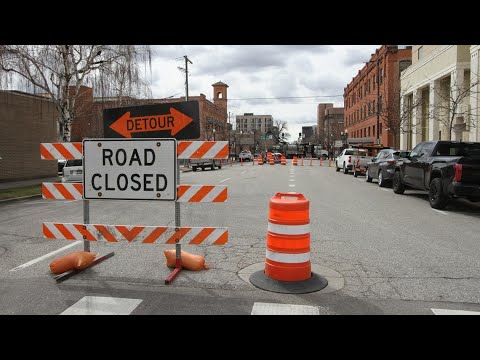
[
  {"x": 372, "y": 99},
  {"x": 26, "y": 121},
  {"x": 329, "y": 124},
  {"x": 88, "y": 122}
]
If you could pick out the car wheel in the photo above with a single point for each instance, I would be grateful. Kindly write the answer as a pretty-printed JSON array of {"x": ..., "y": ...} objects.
[
  {"x": 219, "y": 167},
  {"x": 367, "y": 177},
  {"x": 381, "y": 182},
  {"x": 398, "y": 185},
  {"x": 337, "y": 168},
  {"x": 438, "y": 200},
  {"x": 345, "y": 169},
  {"x": 194, "y": 168}
]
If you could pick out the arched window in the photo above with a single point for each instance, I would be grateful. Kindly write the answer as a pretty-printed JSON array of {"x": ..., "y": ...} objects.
[{"x": 219, "y": 95}]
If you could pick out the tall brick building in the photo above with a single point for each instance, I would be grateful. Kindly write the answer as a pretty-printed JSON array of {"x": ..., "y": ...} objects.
[
  {"x": 329, "y": 123},
  {"x": 372, "y": 99},
  {"x": 88, "y": 122},
  {"x": 26, "y": 121}
]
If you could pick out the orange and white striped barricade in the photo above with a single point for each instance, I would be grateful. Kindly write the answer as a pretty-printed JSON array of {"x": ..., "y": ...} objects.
[
  {"x": 287, "y": 259},
  {"x": 284, "y": 160},
  {"x": 295, "y": 161},
  {"x": 115, "y": 233},
  {"x": 260, "y": 160}
]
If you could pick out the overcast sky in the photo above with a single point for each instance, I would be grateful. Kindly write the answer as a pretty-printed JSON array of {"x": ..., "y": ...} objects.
[{"x": 262, "y": 71}]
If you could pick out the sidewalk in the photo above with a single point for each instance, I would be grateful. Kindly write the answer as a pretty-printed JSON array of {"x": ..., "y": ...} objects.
[{"x": 21, "y": 183}]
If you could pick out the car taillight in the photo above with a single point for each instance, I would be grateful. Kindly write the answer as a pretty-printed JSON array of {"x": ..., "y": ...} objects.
[
  {"x": 349, "y": 159},
  {"x": 458, "y": 172},
  {"x": 391, "y": 161}
]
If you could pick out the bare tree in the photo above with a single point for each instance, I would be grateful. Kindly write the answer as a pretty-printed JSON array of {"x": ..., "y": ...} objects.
[
  {"x": 279, "y": 127},
  {"x": 398, "y": 120},
  {"x": 453, "y": 110},
  {"x": 61, "y": 70}
]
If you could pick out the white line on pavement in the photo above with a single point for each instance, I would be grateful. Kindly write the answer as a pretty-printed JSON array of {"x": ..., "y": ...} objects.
[
  {"x": 453, "y": 312},
  {"x": 439, "y": 211},
  {"x": 283, "y": 309},
  {"x": 385, "y": 189},
  {"x": 224, "y": 180},
  {"x": 102, "y": 305},
  {"x": 23, "y": 266},
  {"x": 291, "y": 180},
  {"x": 243, "y": 172},
  {"x": 291, "y": 185}
]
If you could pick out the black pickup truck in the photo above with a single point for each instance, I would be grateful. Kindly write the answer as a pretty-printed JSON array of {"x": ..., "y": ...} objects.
[{"x": 445, "y": 169}]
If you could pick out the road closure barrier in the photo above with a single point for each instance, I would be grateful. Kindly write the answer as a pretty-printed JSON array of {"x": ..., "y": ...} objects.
[
  {"x": 284, "y": 160},
  {"x": 295, "y": 161},
  {"x": 260, "y": 160},
  {"x": 287, "y": 259}
]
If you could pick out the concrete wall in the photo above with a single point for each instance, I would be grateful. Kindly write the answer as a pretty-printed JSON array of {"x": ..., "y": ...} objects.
[{"x": 25, "y": 122}]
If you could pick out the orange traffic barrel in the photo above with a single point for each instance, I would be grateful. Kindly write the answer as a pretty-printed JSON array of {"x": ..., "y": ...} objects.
[
  {"x": 288, "y": 238},
  {"x": 260, "y": 160},
  {"x": 284, "y": 160},
  {"x": 272, "y": 162},
  {"x": 295, "y": 161}
]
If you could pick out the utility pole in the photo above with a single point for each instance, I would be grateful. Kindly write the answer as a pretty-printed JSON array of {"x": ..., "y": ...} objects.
[{"x": 187, "y": 60}]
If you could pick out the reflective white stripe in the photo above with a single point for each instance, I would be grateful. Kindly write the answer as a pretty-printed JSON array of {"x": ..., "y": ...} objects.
[
  {"x": 289, "y": 229},
  {"x": 287, "y": 258},
  {"x": 57, "y": 155},
  {"x": 215, "y": 149}
]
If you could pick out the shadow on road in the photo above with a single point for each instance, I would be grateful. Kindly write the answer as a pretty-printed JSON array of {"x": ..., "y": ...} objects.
[{"x": 459, "y": 206}]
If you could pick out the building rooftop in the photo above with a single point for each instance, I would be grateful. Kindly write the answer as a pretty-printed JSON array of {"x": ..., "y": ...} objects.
[{"x": 219, "y": 83}]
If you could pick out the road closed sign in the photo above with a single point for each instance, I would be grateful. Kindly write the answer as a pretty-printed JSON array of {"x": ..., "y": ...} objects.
[{"x": 137, "y": 169}]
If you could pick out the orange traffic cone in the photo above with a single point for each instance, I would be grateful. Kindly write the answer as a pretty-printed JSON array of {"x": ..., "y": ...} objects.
[
  {"x": 295, "y": 161},
  {"x": 284, "y": 160},
  {"x": 260, "y": 160}
]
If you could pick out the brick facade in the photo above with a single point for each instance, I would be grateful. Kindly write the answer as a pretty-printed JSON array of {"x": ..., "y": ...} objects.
[
  {"x": 26, "y": 121},
  {"x": 89, "y": 122},
  {"x": 364, "y": 94}
]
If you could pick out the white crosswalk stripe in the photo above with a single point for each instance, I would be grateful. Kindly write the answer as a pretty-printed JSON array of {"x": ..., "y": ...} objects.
[{"x": 283, "y": 309}]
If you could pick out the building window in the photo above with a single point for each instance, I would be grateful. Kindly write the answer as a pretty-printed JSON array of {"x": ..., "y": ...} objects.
[
  {"x": 364, "y": 132},
  {"x": 369, "y": 109},
  {"x": 380, "y": 75},
  {"x": 365, "y": 111},
  {"x": 420, "y": 53},
  {"x": 369, "y": 131},
  {"x": 380, "y": 127},
  {"x": 373, "y": 82},
  {"x": 373, "y": 130}
]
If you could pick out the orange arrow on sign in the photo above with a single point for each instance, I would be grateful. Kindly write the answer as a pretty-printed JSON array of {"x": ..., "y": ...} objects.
[{"x": 174, "y": 121}]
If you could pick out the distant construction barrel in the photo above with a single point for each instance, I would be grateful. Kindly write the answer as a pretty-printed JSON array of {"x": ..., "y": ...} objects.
[
  {"x": 284, "y": 160},
  {"x": 260, "y": 160},
  {"x": 295, "y": 161}
]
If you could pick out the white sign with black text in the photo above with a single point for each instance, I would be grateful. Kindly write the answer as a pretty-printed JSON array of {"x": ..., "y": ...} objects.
[{"x": 130, "y": 169}]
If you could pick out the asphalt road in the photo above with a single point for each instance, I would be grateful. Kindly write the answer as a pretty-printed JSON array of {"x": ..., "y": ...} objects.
[{"x": 392, "y": 254}]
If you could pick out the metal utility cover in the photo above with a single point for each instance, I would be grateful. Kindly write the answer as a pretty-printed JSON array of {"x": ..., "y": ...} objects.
[{"x": 137, "y": 169}]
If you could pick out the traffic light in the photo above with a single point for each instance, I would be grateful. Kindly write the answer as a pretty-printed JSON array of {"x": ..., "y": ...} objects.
[{"x": 299, "y": 135}]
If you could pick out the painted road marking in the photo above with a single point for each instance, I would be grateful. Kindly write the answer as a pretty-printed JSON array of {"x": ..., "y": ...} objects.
[
  {"x": 439, "y": 211},
  {"x": 291, "y": 185},
  {"x": 100, "y": 305},
  {"x": 243, "y": 172},
  {"x": 291, "y": 180},
  {"x": 384, "y": 189},
  {"x": 23, "y": 266},
  {"x": 283, "y": 309},
  {"x": 454, "y": 312},
  {"x": 224, "y": 180}
]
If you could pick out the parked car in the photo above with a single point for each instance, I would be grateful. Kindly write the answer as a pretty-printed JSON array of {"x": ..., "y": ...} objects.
[
  {"x": 344, "y": 160},
  {"x": 205, "y": 163},
  {"x": 245, "y": 155},
  {"x": 61, "y": 164},
  {"x": 73, "y": 171},
  {"x": 445, "y": 169},
  {"x": 382, "y": 167}
]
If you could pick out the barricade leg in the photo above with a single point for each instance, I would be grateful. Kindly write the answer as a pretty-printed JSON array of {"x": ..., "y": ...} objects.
[{"x": 178, "y": 264}]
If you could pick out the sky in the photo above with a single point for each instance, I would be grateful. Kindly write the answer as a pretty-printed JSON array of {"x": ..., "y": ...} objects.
[{"x": 317, "y": 72}]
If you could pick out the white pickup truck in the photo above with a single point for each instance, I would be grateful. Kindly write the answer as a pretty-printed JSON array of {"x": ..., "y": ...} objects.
[{"x": 352, "y": 159}]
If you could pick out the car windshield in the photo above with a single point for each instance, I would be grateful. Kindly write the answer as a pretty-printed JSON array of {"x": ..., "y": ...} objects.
[
  {"x": 458, "y": 149},
  {"x": 75, "y": 162}
]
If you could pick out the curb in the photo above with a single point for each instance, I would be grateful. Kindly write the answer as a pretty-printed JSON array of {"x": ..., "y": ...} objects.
[
  {"x": 186, "y": 170},
  {"x": 21, "y": 198}
]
